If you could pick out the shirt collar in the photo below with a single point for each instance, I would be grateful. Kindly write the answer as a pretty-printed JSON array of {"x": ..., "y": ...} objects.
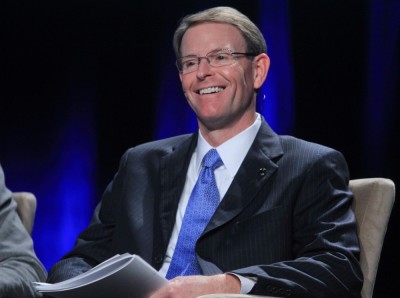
[{"x": 232, "y": 151}]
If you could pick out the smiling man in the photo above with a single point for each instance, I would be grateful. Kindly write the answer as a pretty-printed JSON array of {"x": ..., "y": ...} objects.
[
  {"x": 234, "y": 207},
  {"x": 220, "y": 79}
]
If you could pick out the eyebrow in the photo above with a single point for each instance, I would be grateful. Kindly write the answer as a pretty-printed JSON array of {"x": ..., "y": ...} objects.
[{"x": 215, "y": 50}]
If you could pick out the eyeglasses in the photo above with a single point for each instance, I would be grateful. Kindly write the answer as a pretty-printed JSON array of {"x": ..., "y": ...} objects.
[{"x": 215, "y": 58}]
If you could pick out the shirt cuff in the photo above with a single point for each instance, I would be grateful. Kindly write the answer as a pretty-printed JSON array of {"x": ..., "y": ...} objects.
[{"x": 246, "y": 283}]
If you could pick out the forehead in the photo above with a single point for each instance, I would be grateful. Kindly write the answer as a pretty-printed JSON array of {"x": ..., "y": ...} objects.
[{"x": 202, "y": 38}]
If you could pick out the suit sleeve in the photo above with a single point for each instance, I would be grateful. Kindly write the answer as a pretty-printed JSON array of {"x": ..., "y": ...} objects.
[{"x": 325, "y": 245}]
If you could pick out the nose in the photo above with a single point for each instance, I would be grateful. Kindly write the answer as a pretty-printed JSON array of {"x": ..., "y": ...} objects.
[{"x": 204, "y": 68}]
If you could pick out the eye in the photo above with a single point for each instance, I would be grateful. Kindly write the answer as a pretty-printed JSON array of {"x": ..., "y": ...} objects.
[
  {"x": 189, "y": 63},
  {"x": 221, "y": 56}
]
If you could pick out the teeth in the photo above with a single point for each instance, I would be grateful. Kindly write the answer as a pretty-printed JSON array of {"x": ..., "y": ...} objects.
[{"x": 211, "y": 90}]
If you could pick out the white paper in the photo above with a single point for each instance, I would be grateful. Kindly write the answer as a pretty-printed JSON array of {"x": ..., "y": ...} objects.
[
  {"x": 120, "y": 276},
  {"x": 234, "y": 296}
]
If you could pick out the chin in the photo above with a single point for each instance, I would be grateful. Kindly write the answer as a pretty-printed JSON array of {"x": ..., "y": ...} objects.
[{"x": 212, "y": 122}]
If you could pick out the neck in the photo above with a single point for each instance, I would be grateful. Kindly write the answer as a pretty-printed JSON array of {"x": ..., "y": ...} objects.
[{"x": 216, "y": 136}]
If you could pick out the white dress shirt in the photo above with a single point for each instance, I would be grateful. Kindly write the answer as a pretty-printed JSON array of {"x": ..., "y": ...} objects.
[{"x": 232, "y": 153}]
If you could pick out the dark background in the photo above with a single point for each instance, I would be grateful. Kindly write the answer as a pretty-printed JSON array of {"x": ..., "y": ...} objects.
[{"x": 82, "y": 81}]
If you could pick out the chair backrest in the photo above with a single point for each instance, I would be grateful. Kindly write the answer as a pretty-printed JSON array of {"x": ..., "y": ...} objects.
[
  {"x": 26, "y": 208},
  {"x": 372, "y": 205}
]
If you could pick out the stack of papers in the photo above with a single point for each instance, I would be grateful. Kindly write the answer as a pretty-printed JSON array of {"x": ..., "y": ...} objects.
[{"x": 121, "y": 276}]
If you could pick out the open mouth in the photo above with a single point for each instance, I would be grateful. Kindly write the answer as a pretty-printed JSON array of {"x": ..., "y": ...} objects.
[{"x": 210, "y": 90}]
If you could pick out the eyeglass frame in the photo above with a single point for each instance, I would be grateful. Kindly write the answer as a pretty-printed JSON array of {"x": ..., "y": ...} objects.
[{"x": 216, "y": 51}]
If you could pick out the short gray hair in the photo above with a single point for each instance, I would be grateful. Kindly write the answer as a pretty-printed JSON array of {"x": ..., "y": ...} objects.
[{"x": 225, "y": 15}]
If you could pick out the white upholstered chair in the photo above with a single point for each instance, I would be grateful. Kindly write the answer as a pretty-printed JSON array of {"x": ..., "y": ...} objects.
[
  {"x": 26, "y": 208},
  {"x": 372, "y": 205}
]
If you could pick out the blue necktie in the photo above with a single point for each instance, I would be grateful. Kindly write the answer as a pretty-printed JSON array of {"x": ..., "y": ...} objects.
[{"x": 203, "y": 201}]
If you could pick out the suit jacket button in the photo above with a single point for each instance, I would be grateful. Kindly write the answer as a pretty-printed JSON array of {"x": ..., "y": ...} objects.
[{"x": 158, "y": 259}]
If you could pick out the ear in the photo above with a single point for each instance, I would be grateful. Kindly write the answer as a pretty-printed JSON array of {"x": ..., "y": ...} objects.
[{"x": 261, "y": 67}]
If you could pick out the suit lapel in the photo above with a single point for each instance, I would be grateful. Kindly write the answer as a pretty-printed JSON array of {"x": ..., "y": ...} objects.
[
  {"x": 257, "y": 167},
  {"x": 173, "y": 169}
]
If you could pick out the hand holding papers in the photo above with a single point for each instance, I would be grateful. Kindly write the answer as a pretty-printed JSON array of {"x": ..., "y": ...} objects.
[{"x": 121, "y": 276}]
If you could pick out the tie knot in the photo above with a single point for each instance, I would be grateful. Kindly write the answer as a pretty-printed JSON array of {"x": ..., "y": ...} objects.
[{"x": 212, "y": 159}]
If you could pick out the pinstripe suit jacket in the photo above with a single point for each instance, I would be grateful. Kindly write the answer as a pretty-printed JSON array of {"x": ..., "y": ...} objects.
[{"x": 286, "y": 219}]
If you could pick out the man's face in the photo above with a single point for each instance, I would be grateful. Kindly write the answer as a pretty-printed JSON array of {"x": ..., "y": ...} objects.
[{"x": 222, "y": 97}]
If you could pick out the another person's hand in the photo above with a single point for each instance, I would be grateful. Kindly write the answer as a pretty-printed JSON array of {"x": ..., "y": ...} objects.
[{"x": 197, "y": 285}]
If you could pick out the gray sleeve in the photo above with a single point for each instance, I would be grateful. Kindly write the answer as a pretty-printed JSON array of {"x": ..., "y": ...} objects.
[{"x": 19, "y": 265}]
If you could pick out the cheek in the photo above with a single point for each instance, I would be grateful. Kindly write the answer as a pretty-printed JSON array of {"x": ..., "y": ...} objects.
[
  {"x": 249, "y": 75},
  {"x": 186, "y": 81},
  {"x": 184, "y": 84},
  {"x": 241, "y": 77}
]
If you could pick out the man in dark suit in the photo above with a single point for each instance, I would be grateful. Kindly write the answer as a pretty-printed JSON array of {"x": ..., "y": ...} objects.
[
  {"x": 19, "y": 265},
  {"x": 284, "y": 225}
]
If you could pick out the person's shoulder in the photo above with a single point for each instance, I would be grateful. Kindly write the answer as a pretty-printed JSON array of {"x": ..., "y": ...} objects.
[
  {"x": 292, "y": 144},
  {"x": 162, "y": 145},
  {"x": 5, "y": 193},
  {"x": 302, "y": 146}
]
